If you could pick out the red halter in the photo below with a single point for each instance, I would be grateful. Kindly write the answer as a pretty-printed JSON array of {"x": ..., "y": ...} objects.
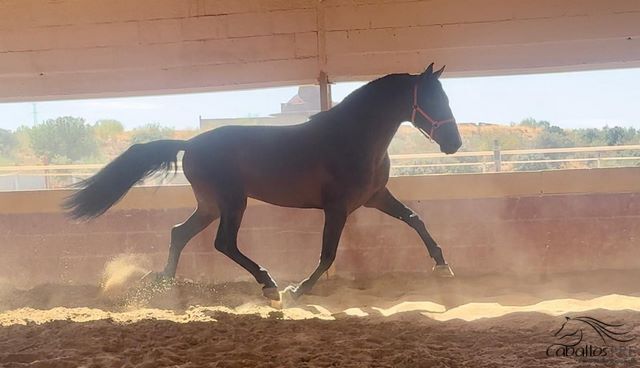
[{"x": 435, "y": 124}]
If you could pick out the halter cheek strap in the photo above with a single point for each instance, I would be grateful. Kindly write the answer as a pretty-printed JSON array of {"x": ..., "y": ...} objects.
[{"x": 435, "y": 124}]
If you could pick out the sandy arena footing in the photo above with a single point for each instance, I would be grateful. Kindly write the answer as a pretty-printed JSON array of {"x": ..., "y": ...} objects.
[{"x": 397, "y": 320}]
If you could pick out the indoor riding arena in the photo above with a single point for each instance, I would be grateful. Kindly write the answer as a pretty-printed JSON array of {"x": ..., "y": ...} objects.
[{"x": 544, "y": 241}]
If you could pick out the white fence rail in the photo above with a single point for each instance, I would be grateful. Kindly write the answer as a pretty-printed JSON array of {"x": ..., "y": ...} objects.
[{"x": 61, "y": 176}]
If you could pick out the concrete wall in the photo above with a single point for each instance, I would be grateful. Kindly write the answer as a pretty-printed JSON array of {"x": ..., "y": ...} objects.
[
  {"x": 554, "y": 221},
  {"x": 480, "y": 37},
  {"x": 64, "y": 48}
]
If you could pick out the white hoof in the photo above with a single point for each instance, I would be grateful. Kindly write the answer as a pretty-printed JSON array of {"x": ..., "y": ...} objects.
[
  {"x": 443, "y": 271},
  {"x": 288, "y": 297},
  {"x": 153, "y": 277},
  {"x": 276, "y": 304},
  {"x": 271, "y": 293}
]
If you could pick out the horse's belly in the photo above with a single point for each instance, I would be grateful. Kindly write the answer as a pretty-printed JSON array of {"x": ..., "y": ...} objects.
[{"x": 300, "y": 192}]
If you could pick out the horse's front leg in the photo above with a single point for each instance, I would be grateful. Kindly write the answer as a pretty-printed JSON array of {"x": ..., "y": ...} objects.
[
  {"x": 387, "y": 203},
  {"x": 334, "y": 220}
]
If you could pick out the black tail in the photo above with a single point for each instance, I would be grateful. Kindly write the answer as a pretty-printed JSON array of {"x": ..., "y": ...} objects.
[{"x": 110, "y": 184}]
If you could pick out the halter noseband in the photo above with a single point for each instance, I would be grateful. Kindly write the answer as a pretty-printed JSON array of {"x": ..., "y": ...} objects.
[{"x": 435, "y": 124}]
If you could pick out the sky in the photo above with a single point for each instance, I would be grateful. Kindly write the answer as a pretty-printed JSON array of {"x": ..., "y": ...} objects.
[{"x": 569, "y": 100}]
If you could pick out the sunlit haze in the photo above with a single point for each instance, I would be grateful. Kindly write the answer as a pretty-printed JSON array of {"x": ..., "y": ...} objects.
[{"x": 570, "y": 100}]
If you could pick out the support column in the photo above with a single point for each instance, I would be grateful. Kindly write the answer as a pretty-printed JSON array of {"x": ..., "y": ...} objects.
[
  {"x": 325, "y": 104},
  {"x": 325, "y": 91}
]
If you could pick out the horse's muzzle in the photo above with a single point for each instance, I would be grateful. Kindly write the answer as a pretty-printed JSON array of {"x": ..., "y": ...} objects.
[{"x": 449, "y": 149}]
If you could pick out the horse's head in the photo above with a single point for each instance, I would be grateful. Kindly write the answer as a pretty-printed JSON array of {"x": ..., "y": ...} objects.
[{"x": 431, "y": 113}]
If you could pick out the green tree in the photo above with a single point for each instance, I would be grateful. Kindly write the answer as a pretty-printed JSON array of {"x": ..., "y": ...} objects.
[
  {"x": 617, "y": 135},
  {"x": 531, "y": 122},
  {"x": 588, "y": 137},
  {"x": 107, "y": 129},
  {"x": 62, "y": 139},
  {"x": 554, "y": 137},
  {"x": 8, "y": 142},
  {"x": 151, "y": 132}
]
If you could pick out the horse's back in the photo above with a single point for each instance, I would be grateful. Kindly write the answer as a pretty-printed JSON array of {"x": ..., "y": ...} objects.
[
  {"x": 272, "y": 146},
  {"x": 277, "y": 164}
]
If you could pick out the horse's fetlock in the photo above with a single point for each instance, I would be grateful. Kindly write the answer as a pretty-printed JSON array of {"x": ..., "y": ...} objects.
[{"x": 328, "y": 259}]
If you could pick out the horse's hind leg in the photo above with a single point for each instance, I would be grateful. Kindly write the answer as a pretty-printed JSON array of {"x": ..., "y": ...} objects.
[
  {"x": 182, "y": 233},
  {"x": 334, "y": 221},
  {"x": 227, "y": 243},
  {"x": 387, "y": 203}
]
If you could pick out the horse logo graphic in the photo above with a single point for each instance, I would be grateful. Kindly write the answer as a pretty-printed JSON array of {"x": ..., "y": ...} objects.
[{"x": 574, "y": 330}]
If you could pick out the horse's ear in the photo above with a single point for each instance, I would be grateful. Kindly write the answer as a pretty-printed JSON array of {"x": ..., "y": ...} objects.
[
  {"x": 438, "y": 73},
  {"x": 428, "y": 71}
]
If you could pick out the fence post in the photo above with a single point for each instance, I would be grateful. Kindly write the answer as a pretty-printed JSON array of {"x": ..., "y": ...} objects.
[
  {"x": 45, "y": 163},
  {"x": 497, "y": 158}
]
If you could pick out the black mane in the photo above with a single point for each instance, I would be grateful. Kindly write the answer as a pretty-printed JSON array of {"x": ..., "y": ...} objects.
[{"x": 362, "y": 99}]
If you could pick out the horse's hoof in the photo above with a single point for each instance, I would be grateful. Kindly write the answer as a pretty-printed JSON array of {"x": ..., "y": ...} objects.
[
  {"x": 288, "y": 297},
  {"x": 150, "y": 276},
  {"x": 271, "y": 292},
  {"x": 155, "y": 277},
  {"x": 276, "y": 304},
  {"x": 293, "y": 291},
  {"x": 443, "y": 271}
]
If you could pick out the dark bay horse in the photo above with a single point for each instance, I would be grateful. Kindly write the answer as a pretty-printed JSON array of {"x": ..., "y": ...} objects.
[{"x": 337, "y": 162}]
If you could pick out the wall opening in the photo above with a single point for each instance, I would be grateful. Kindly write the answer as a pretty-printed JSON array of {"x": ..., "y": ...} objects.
[{"x": 573, "y": 120}]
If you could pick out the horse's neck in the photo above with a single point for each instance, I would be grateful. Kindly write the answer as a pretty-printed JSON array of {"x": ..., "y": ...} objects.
[
  {"x": 373, "y": 131},
  {"x": 377, "y": 138},
  {"x": 366, "y": 129}
]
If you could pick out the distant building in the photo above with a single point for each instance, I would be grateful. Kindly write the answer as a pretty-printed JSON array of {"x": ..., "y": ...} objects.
[
  {"x": 297, "y": 110},
  {"x": 306, "y": 102}
]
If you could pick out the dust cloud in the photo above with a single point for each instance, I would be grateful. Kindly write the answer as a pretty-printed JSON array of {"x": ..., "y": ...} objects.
[{"x": 124, "y": 271}]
